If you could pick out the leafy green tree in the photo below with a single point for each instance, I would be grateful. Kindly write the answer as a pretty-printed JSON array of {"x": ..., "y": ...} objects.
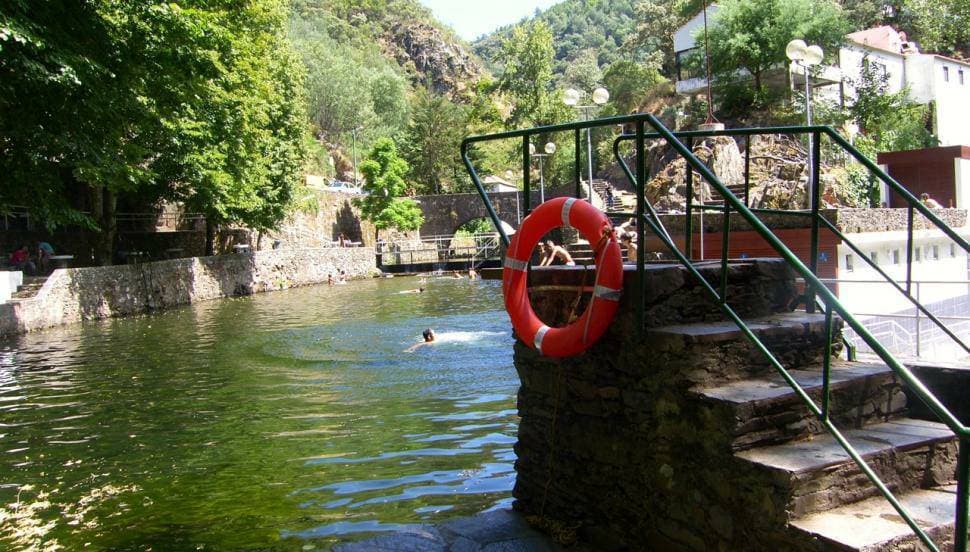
[
  {"x": 584, "y": 72},
  {"x": 652, "y": 44},
  {"x": 527, "y": 77},
  {"x": 432, "y": 141},
  {"x": 628, "y": 83},
  {"x": 384, "y": 173},
  {"x": 752, "y": 35},
  {"x": 888, "y": 121},
  {"x": 941, "y": 25},
  {"x": 193, "y": 101}
]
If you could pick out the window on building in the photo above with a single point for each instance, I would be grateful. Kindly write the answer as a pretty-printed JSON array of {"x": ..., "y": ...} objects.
[
  {"x": 895, "y": 256},
  {"x": 936, "y": 252},
  {"x": 849, "y": 267},
  {"x": 874, "y": 256},
  {"x": 953, "y": 250},
  {"x": 960, "y": 77},
  {"x": 946, "y": 74},
  {"x": 917, "y": 254}
]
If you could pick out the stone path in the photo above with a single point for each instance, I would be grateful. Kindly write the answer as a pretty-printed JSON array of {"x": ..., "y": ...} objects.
[{"x": 495, "y": 531}]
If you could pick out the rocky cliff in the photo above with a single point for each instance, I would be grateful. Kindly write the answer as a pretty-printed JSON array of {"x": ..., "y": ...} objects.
[{"x": 432, "y": 58}]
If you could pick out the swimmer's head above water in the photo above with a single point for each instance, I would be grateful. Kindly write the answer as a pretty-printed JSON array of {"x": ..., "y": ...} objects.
[{"x": 428, "y": 335}]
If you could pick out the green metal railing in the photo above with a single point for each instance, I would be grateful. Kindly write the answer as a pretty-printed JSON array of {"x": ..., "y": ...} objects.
[{"x": 817, "y": 292}]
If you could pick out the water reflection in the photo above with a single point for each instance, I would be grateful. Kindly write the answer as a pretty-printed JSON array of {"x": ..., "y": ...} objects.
[{"x": 283, "y": 420}]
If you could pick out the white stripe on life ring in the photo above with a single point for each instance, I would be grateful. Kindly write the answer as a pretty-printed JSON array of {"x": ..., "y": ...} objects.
[
  {"x": 566, "y": 206},
  {"x": 515, "y": 264},
  {"x": 537, "y": 340},
  {"x": 609, "y": 294}
]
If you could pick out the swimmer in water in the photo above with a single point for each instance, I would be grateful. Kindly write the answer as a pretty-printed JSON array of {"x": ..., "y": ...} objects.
[
  {"x": 415, "y": 290},
  {"x": 428, "y": 335}
]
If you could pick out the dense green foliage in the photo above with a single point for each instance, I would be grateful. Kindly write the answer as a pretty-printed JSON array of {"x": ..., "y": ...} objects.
[
  {"x": 580, "y": 26},
  {"x": 431, "y": 143},
  {"x": 384, "y": 182},
  {"x": 200, "y": 102}
]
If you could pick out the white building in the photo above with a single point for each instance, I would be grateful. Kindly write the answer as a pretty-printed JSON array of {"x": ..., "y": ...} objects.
[{"x": 941, "y": 82}]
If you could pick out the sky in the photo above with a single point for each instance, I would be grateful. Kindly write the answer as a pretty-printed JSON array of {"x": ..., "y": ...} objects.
[{"x": 473, "y": 18}]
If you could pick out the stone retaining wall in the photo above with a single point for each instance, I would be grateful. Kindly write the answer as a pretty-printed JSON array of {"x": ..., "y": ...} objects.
[
  {"x": 612, "y": 441},
  {"x": 72, "y": 295}
]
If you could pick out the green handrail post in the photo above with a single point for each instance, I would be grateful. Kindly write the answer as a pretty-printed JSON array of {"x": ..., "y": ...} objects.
[
  {"x": 577, "y": 165},
  {"x": 526, "y": 173},
  {"x": 816, "y": 200},
  {"x": 909, "y": 249},
  {"x": 725, "y": 236},
  {"x": 641, "y": 200},
  {"x": 827, "y": 363},
  {"x": 963, "y": 492},
  {"x": 689, "y": 221},
  {"x": 747, "y": 170}
]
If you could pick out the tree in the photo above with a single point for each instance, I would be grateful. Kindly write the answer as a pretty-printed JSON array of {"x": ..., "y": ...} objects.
[
  {"x": 752, "y": 35},
  {"x": 384, "y": 183},
  {"x": 653, "y": 41},
  {"x": 628, "y": 83},
  {"x": 527, "y": 78},
  {"x": 889, "y": 121},
  {"x": 941, "y": 25},
  {"x": 191, "y": 101},
  {"x": 584, "y": 72},
  {"x": 433, "y": 140}
]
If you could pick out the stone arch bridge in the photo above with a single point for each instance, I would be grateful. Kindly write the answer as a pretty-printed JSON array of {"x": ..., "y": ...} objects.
[{"x": 444, "y": 214}]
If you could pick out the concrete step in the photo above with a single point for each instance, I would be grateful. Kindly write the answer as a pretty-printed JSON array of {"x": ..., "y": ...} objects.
[
  {"x": 818, "y": 475},
  {"x": 766, "y": 411},
  {"x": 873, "y": 525}
]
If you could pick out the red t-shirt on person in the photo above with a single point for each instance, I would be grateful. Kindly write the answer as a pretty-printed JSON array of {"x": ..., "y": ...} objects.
[{"x": 18, "y": 256}]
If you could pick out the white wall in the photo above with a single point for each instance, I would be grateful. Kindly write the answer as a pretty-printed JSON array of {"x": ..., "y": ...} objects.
[
  {"x": 850, "y": 60},
  {"x": 684, "y": 36},
  {"x": 952, "y": 102},
  {"x": 10, "y": 280},
  {"x": 938, "y": 262},
  {"x": 961, "y": 172}
]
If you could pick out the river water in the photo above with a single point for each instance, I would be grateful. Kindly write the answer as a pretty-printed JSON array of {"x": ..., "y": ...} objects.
[{"x": 282, "y": 421}]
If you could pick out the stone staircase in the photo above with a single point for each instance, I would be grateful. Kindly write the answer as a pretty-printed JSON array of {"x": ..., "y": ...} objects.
[
  {"x": 29, "y": 288},
  {"x": 623, "y": 201},
  {"x": 829, "y": 502},
  {"x": 710, "y": 448}
]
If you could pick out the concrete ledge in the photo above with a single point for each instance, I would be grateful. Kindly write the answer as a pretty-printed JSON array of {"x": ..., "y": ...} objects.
[{"x": 72, "y": 295}]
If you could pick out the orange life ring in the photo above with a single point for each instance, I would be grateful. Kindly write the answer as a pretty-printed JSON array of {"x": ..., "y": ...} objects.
[{"x": 587, "y": 329}]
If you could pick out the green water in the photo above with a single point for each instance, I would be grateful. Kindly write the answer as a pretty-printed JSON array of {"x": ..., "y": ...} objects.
[{"x": 284, "y": 421}]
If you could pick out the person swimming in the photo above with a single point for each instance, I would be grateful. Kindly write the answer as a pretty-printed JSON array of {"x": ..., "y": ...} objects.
[
  {"x": 415, "y": 290},
  {"x": 428, "y": 335}
]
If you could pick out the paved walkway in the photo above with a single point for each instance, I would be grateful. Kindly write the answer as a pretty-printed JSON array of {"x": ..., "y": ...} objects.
[{"x": 495, "y": 531}]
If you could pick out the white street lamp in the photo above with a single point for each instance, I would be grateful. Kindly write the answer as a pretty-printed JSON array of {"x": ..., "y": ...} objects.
[
  {"x": 599, "y": 96},
  {"x": 356, "y": 180},
  {"x": 549, "y": 148},
  {"x": 806, "y": 56}
]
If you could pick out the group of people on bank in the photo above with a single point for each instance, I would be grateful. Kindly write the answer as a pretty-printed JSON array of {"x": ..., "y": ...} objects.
[
  {"x": 32, "y": 262},
  {"x": 626, "y": 234}
]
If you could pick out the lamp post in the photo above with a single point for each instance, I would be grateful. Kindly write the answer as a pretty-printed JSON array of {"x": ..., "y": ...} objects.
[
  {"x": 354, "y": 132},
  {"x": 571, "y": 98},
  {"x": 549, "y": 148},
  {"x": 806, "y": 56}
]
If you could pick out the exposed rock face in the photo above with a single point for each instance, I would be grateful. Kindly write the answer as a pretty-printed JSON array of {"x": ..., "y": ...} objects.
[
  {"x": 778, "y": 175},
  {"x": 432, "y": 58}
]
